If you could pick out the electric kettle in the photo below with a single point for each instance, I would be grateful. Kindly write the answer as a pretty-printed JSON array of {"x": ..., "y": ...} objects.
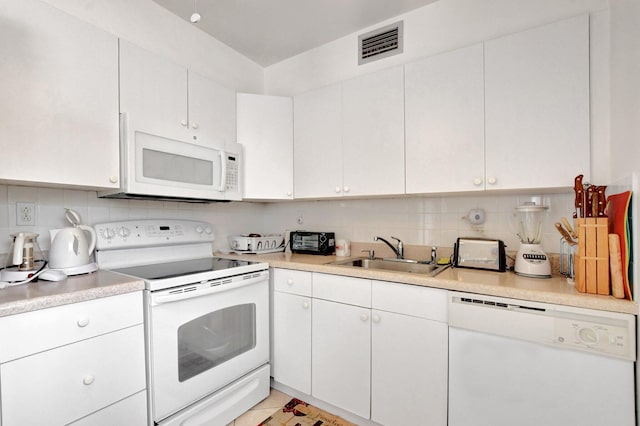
[{"x": 70, "y": 251}]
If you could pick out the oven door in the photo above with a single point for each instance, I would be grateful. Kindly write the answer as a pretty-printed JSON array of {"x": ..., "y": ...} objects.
[{"x": 203, "y": 337}]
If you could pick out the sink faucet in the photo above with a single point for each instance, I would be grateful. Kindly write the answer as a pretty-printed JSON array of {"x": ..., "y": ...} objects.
[{"x": 399, "y": 251}]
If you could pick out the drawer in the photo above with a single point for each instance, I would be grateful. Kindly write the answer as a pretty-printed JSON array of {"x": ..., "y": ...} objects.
[
  {"x": 353, "y": 291},
  {"x": 131, "y": 411},
  {"x": 65, "y": 384},
  {"x": 290, "y": 281},
  {"x": 417, "y": 301},
  {"x": 37, "y": 331}
]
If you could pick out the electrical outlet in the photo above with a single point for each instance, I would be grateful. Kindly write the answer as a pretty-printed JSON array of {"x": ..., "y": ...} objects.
[{"x": 26, "y": 214}]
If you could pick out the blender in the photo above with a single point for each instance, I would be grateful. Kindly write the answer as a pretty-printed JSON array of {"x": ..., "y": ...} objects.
[{"x": 531, "y": 260}]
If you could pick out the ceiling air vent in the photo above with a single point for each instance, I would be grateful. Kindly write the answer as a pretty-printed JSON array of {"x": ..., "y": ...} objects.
[{"x": 380, "y": 43}]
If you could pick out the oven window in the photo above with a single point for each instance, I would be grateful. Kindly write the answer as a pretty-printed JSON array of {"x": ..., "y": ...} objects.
[{"x": 212, "y": 339}]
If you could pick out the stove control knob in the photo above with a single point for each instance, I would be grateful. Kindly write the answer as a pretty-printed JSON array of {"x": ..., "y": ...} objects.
[
  {"x": 124, "y": 232},
  {"x": 199, "y": 229},
  {"x": 107, "y": 233},
  {"x": 207, "y": 230}
]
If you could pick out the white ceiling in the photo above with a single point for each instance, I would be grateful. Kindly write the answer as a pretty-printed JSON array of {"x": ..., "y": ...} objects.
[{"x": 269, "y": 31}]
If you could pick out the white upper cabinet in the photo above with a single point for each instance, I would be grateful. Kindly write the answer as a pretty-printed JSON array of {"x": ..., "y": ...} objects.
[
  {"x": 318, "y": 143},
  {"x": 373, "y": 134},
  {"x": 59, "y": 106},
  {"x": 444, "y": 113},
  {"x": 349, "y": 138},
  {"x": 212, "y": 110},
  {"x": 153, "y": 92},
  {"x": 537, "y": 106},
  {"x": 166, "y": 99},
  {"x": 265, "y": 130}
]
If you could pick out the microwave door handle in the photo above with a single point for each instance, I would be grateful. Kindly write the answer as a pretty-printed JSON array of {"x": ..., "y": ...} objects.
[
  {"x": 223, "y": 171},
  {"x": 176, "y": 297}
]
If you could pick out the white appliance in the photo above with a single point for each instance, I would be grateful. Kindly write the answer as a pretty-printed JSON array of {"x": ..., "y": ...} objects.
[
  {"x": 156, "y": 167},
  {"x": 531, "y": 260},
  {"x": 206, "y": 318},
  {"x": 70, "y": 251},
  {"x": 525, "y": 363}
]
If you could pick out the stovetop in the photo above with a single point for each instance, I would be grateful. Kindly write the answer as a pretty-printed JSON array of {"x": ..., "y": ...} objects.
[{"x": 212, "y": 265}]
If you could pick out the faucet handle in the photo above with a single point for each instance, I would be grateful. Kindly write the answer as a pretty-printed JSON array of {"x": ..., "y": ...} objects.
[{"x": 370, "y": 252}]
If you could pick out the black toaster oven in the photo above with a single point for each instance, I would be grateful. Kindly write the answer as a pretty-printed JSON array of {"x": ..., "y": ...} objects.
[{"x": 309, "y": 242}]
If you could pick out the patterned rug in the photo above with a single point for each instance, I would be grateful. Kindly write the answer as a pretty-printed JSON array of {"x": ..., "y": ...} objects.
[{"x": 299, "y": 413}]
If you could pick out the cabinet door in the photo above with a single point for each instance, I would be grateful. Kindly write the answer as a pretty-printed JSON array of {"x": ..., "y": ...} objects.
[
  {"x": 73, "y": 381},
  {"x": 408, "y": 369},
  {"x": 59, "y": 105},
  {"x": 341, "y": 362},
  {"x": 212, "y": 112},
  {"x": 537, "y": 106},
  {"x": 291, "y": 363},
  {"x": 444, "y": 103},
  {"x": 153, "y": 92},
  {"x": 373, "y": 134},
  {"x": 317, "y": 154},
  {"x": 265, "y": 130}
]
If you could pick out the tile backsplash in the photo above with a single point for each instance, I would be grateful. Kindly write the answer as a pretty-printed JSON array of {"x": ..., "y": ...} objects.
[{"x": 426, "y": 220}]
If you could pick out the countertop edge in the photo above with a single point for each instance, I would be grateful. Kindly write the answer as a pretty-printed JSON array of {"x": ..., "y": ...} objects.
[
  {"x": 42, "y": 295},
  {"x": 555, "y": 290}
]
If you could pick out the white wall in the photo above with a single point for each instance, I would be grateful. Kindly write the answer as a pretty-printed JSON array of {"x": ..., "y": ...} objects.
[
  {"x": 152, "y": 27},
  {"x": 437, "y": 27},
  {"x": 625, "y": 88}
]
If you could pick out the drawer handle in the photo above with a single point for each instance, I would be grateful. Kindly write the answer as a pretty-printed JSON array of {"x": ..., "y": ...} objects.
[
  {"x": 88, "y": 380},
  {"x": 290, "y": 281},
  {"x": 83, "y": 322}
]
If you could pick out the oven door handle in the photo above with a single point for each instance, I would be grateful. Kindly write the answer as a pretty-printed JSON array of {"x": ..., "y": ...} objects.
[{"x": 176, "y": 297}]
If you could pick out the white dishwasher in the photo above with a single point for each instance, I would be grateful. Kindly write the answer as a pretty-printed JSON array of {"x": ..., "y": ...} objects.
[{"x": 521, "y": 363}]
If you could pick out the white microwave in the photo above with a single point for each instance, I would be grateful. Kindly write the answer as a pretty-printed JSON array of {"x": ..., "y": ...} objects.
[{"x": 157, "y": 167}]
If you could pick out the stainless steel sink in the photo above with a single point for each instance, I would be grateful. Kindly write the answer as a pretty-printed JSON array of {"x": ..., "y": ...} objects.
[{"x": 393, "y": 265}]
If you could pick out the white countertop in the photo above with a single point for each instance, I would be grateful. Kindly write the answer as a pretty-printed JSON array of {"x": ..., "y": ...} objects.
[
  {"x": 47, "y": 294},
  {"x": 554, "y": 290}
]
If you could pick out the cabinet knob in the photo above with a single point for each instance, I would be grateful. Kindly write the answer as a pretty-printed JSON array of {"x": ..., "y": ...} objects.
[
  {"x": 477, "y": 181},
  {"x": 290, "y": 281},
  {"x": 364, "y": 317},
  {"x": 305, "y": 305},
  {"x": 289, "y": 193},
  {"x": 113, "y": 179},
  {"x": 375, "y": 318},
  {"x": 194, "y": 125},
  {"x": 337, "y": 190},
  {"x": 184, "y": 123},
  {"x": 83, "y": 322},
  {"x": 492, "y": 180},
  {"x": 88, "y": 379},
  {"x": 346, "y": 189}
]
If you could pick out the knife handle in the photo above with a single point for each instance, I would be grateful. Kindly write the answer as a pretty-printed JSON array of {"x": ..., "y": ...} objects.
[
  {"x": 602, "y": 200},
  {"x": 579, "y": 201}
]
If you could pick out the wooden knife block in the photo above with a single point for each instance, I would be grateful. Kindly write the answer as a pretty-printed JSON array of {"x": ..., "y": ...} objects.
[{"x": 592, "y": 259}]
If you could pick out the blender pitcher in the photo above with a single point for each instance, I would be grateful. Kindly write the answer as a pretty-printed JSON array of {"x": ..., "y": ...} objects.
[{"x": 531, "y": 259}]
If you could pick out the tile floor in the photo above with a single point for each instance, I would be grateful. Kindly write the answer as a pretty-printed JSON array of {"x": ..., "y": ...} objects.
[{"x": 264, "y": 409}]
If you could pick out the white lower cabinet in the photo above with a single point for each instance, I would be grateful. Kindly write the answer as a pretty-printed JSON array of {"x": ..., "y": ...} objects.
[
  {"x": 341, "y": 361},
  {"x": 81, "y": 374},
  {"x": 409, "y": 355},
  {"x": 291, "y": 329}
]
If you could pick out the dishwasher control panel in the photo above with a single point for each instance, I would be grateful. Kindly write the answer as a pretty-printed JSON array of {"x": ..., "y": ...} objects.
[
  {"x": 564, "y": 327},
  {"x": 597, "y": 336}
]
